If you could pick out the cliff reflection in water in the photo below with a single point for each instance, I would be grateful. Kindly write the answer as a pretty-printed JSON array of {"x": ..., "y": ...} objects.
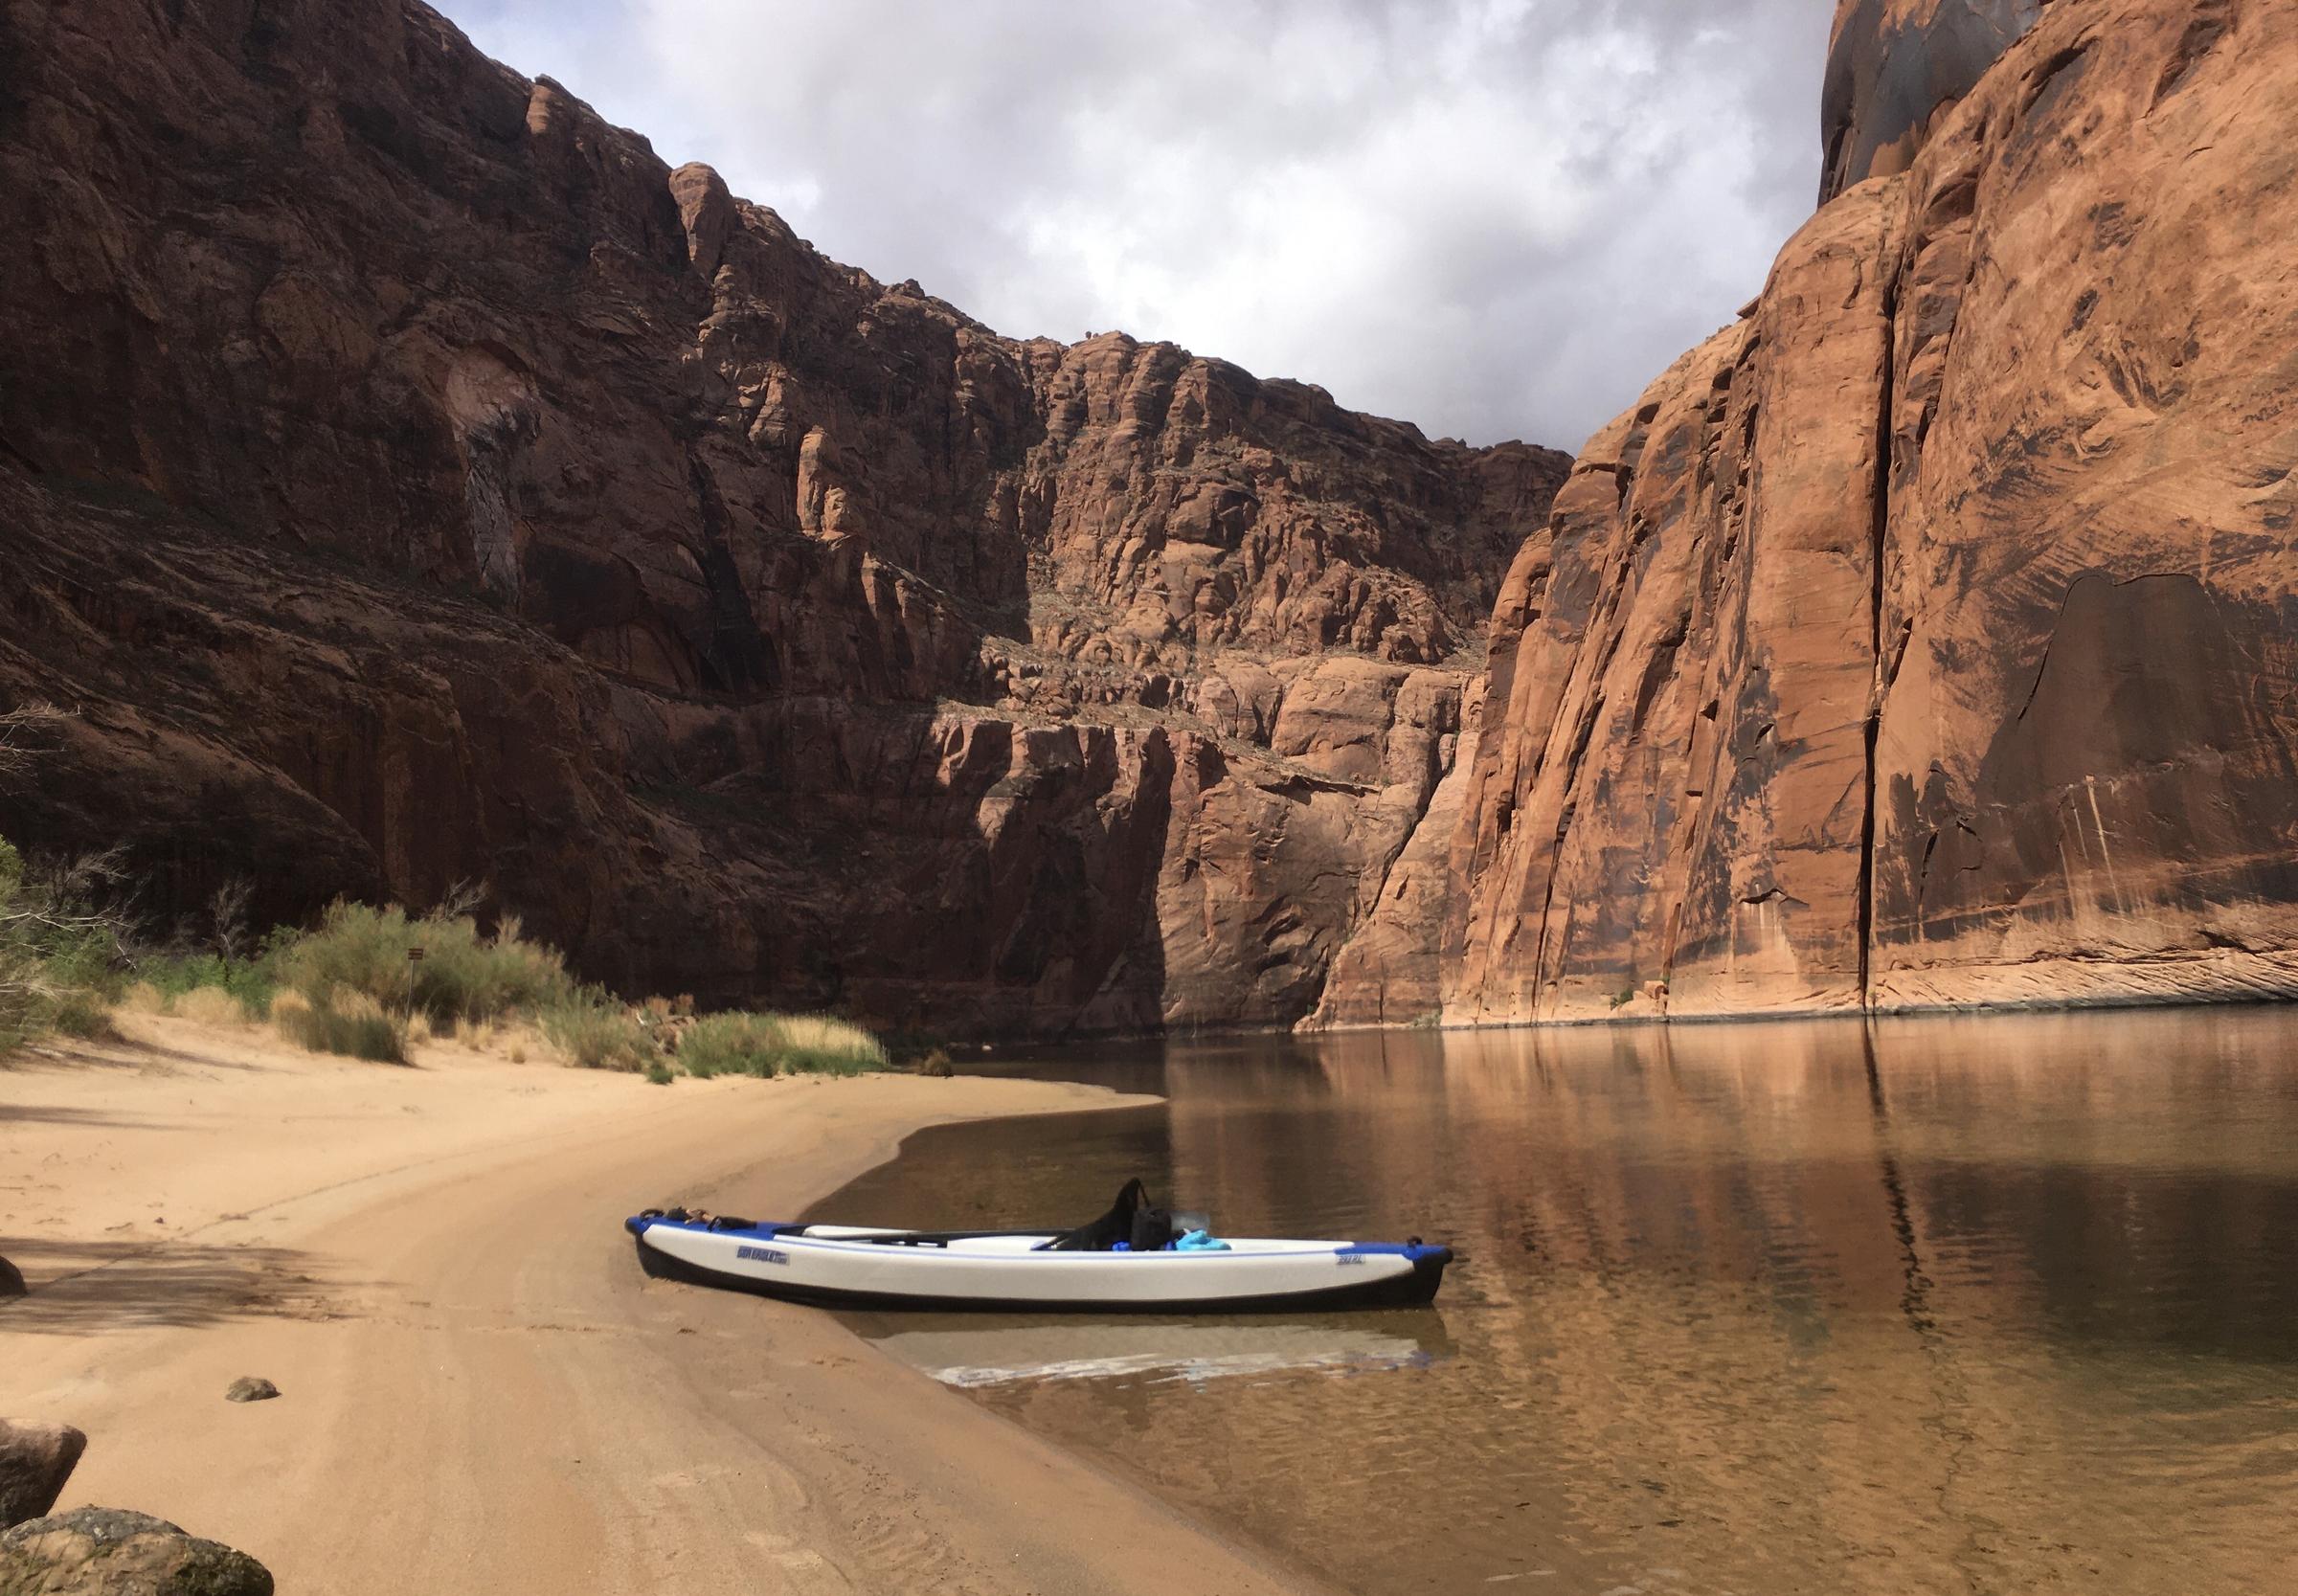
[{"x": 1915, "y": 1305}]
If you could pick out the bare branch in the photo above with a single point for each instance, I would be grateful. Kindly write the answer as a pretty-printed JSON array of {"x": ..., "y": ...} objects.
[
  {"x": 82, "y": 876},
  {"x": 462, "y": 898},
  {"x": 226, "y": 915},
  {"x": 19, "y": 729}
]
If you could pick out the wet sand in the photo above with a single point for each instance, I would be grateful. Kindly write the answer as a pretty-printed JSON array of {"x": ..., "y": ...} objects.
[{"x": 480, "y": 1388}]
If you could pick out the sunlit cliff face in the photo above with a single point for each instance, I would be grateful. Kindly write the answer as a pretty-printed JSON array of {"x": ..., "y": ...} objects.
[{"x": 1922, "y": 638}]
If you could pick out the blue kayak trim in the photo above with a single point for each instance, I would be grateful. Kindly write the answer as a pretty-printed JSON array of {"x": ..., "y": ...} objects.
[{"x": 1411, "y": 1251}]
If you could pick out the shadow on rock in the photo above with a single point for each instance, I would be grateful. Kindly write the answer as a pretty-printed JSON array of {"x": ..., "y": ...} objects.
[{"x": 35, "y": 1462}]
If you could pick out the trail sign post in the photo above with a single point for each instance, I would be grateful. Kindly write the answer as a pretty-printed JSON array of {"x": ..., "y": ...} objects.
[{"x": 414, "y": 956}]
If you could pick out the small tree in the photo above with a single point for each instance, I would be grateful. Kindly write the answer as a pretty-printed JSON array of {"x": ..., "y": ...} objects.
[{"x": 58, "y": 939}]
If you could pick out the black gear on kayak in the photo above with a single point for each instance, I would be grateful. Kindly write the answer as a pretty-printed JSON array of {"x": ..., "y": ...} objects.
[{"x": 1117, "y": 1226}]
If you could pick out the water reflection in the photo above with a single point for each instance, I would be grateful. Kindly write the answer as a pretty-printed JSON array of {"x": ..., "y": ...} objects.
[
  {"x": 978, "y": 1350},
  {"x": 1917, "y": 1305}
]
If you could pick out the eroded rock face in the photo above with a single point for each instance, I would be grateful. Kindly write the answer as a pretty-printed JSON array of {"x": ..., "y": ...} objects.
[
  {"x": 409, "y": 478},
  {"x": 1927, "y": 637},
  {"x": 2089, "y": 721},
  {"x": 1895, "y": 68}
]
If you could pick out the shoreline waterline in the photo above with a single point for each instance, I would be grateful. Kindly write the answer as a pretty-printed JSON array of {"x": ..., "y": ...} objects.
[
  {"x": 480, "y": 1385},
  {"x": 1736, "y": 1308}
]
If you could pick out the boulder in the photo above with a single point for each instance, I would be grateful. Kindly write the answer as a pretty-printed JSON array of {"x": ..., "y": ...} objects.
[
  {"x": 108, "y": 1551},
  {"x": 36, "y": 1460},
  {"x": 250, "y": 1387},
  {"x": 11, "y": 1280}
]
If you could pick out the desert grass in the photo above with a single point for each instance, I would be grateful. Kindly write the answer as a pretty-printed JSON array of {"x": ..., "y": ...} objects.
[
  {"x": 210, "y": 1005},
  {"x": 343, "y": 1021},
  {"x": 741, "y": 1044},
  {"x": 144, "y": 997},
  {"x": 593, "y": 1032}
]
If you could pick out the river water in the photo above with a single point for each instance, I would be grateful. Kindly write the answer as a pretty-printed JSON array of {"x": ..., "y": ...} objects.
[{"x": 2000, "y": 1304}]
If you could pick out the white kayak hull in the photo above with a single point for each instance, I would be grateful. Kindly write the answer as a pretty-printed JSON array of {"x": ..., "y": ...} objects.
[{"x": 838, "y": 1266}]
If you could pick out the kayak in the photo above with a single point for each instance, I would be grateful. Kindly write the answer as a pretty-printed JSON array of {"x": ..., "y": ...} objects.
[{"x": 1135, "y": 1259}]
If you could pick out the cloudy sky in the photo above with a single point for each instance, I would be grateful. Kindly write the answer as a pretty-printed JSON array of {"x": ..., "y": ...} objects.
[{"x": 1496, "y": 218}]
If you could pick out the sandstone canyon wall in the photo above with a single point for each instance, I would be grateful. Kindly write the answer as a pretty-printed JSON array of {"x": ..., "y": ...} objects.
[
  {"x": 408, "y": 478},
  {"x": 1931, "y": 636}
]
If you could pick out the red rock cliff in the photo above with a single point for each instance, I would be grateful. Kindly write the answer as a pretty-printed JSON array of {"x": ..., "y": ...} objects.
[
  {"x": 1929, "y": 637},
  {"x": 407, "y": 478}
]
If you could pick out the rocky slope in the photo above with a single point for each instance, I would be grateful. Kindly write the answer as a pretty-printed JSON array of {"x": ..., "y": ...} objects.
[
  {"x": 1927, "y": 637},
  {"x": 408, "y": 478}
]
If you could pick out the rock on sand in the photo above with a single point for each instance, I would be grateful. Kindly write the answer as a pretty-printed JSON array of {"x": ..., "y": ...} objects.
[{"x": 108, "y": 1551}]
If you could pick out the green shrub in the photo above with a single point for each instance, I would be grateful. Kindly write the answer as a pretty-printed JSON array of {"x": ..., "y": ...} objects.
[
  {"x": 659, "y": 1073},
  {"x": 597, "y": 1033},
  {"x": 80, "y": 1012},
  {"x": 251, "y": 982},
  {"x": 739, "y": 1044},
  {"x": 462, "y": 976},
  {"x": 59, "y": 952}
]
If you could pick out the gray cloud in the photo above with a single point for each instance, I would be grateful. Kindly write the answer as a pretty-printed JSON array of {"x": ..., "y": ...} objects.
[{"x": 1495, "y": 218}]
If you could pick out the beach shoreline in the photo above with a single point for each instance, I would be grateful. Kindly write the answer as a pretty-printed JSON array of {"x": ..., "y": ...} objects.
[{"x": 481, "y": 1387}]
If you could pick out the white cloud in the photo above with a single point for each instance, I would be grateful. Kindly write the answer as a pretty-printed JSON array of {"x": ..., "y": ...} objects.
[{"x": 1493, "y": 217}]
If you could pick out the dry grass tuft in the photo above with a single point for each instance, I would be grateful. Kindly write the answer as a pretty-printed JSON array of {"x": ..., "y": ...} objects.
[
  {"x": 208, "y": 1005},
  {"x": 144, "y": 997},
  {"x": 595, "y": 1032},
  {"x": 345, "y": 1021}
]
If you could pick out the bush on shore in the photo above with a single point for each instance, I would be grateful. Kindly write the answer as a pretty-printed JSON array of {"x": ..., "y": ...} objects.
[
  {"x": 595, "y": 1032},
  {"x": 739, "y": 1044},
  {"x": 463, "y": 977},
  {"x": 349, "y": 987},
  {"x": 58, "y": 955}
]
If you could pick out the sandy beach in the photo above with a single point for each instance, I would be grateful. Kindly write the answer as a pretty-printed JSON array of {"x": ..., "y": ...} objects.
[{"x": 481, "y": 1389}]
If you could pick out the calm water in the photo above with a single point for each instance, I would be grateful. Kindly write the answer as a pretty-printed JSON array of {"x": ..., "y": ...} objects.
[{"x": 1945, "y": 1305}]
